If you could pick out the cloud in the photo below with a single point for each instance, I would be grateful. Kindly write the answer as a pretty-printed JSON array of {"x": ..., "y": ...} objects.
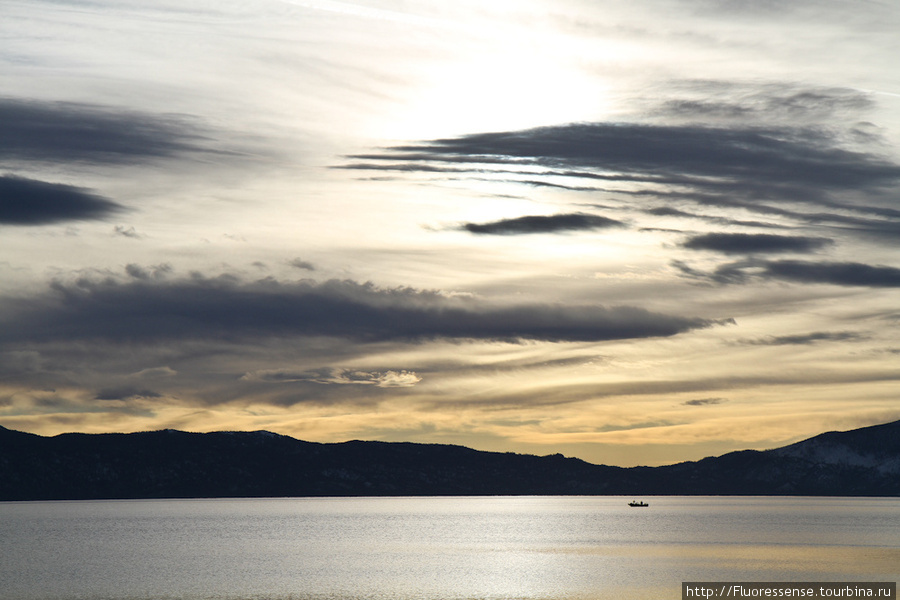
[
  {"x": 806, "y": 339},
  {"x": 543, "y": 224},
  {"x": 32, "y": 202},
  {"x": 797, "y": 271},
  {"x": 788, "y": 156},
  {"x": 704, "y": 401},
  {"x": 37, "y": 130},
  {"x": 144, "y": 309},
  {"x": 329, "y": 376},
  {"x": 144, "y": 273},
  {"x": 368, "y": 12},
  {"x": 20, "y": 361},
  {"x": 299, "y": 263},
  {"x": 880, "y": 221},
  {"x": 843, "y": 273},
  {"x": 757, "y": 148},
  {"x": 665, "y": 211},
  {"x": 746, "y": 243},
  {"x": 711, "y": 100},
  {"x": 125, "y": 393},
  {"x": 129, "y": 232},
  {"x": 155, "y": 373}
]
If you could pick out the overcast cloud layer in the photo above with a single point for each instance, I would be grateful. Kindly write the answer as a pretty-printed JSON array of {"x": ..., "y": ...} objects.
[{"x": 631, "y": 232}]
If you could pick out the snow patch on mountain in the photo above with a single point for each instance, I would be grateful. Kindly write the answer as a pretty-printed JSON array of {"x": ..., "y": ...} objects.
[{"x": 826, "y": 453}]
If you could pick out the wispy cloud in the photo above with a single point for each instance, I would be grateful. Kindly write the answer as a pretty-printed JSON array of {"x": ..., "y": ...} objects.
[
  {"x": 807, "y": 338},
  {"x": 129, "y": 232},
  {"x": 367, "y": 12},
  {"x": 337, "y": 376},
  {"x": 734, "y": 102}
]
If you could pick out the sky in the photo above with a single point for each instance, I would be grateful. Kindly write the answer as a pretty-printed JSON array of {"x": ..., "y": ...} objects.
[{"x": 636, "y": 233}]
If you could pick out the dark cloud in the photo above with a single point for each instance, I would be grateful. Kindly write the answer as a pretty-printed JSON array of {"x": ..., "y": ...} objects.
[
  {"x": 35, "y": 130},
  {"x": 844, "y": 273},
  {"x": 704, "y": 401},
  {"x": 772, "y": 163},
  {"x": 747, "y": 243},
  {"x": 224, "y": 308},
  {"x": 543, "y": 224},
  {"x": 806, "y": 339},
  {"x": 125, "y": 393},
  {"x": 667, "y": 211},
  {"x": 797, "y": 271},
  {"x": 786, "y": 156},
  {"x": 31, "y": 202}
]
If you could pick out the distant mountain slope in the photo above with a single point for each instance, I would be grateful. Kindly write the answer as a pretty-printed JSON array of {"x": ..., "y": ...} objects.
[
  {"x": 176, "y": 464},
  {"x": 876, "y": 447}
]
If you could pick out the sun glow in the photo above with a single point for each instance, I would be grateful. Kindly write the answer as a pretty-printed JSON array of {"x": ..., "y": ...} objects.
[{"x": 513, "y": 88}]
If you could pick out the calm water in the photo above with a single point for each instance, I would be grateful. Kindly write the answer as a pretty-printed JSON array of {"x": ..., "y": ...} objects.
[{"x": 436, "y": 548}]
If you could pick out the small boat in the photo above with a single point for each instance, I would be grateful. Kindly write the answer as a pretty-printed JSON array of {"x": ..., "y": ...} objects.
[{"x": 635, "y": 503}]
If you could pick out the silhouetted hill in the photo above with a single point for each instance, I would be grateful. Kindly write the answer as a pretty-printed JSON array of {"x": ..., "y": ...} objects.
[
  {"x": 860, "y": 462},
  {"x": 176, "y": 464}
]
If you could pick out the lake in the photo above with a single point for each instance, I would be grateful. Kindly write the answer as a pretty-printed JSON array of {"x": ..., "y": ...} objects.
[{"x": 555, "y": 547}]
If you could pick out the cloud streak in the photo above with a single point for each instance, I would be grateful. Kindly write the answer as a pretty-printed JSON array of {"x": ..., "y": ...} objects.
[
  {"x": 790, "y": 157},
  {"x": 834, "y": 273},
  {"x": 808, "y": 338},
  {"x": 849, "y": 274},
  {"x": 543, "y": 224},
  {"x": 337, "y": 376},
  {"x": 747, "y": 243}
]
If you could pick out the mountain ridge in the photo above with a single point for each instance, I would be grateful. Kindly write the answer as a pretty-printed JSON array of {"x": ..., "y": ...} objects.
[{"x": 177, "y": 464}]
